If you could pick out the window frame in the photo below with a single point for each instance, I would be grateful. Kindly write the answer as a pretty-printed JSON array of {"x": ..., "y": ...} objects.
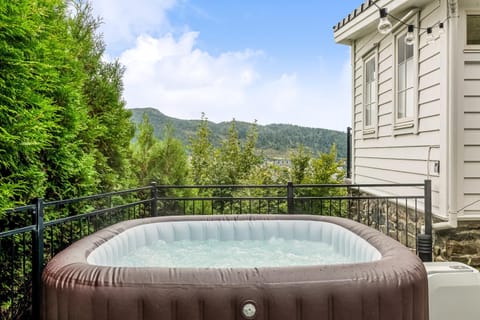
[
  {"x": 467, "y": 46},
  {"x": 371, "y": 128},
  {"x": 406, "y": 124}
]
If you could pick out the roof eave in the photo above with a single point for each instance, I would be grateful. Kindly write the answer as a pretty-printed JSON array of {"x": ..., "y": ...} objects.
[
  {"x": 364, "y": 22},
  {"x": 357, "y": 27}
]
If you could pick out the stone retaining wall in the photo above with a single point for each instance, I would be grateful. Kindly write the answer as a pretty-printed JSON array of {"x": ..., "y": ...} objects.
[
  {"x": 394, "y": 219},
  {"x": 461, "y": 244},
  {"x": 390, "y": 217}
]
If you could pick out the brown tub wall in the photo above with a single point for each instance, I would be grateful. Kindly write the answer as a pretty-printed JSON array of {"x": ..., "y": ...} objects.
[{"x": 394, "y": 287}]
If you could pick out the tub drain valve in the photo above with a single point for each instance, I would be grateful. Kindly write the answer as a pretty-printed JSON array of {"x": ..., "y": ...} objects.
[{"x": 249, "y": 309}]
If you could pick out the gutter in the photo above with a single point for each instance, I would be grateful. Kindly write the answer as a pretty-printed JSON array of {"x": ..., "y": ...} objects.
[{"x": 452, "y": 223}]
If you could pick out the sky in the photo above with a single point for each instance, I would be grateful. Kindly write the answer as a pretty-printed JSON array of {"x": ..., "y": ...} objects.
[{"x": 270, "y": 61}]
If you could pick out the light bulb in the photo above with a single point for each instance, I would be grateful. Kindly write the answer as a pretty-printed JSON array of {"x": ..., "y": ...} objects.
[
  {"x": 430, "y": 37},
  {"x": 441, "y": 28},
  {"x": 384, "y": 25},
  {"x": 410, "y": 37}
]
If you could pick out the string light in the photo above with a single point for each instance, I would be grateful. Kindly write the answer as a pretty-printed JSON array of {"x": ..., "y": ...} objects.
[
  {"x": 441, "y": 29},
  {"x": 430, "y": 36},
  {"x": 410, "y": 37},
  {"x": 384, "y": 25}
]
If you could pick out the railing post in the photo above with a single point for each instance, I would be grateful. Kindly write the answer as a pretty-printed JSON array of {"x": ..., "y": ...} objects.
[
  {"x": 425, "y": 241},
  {"x": 349, "y": 152},
  {"x": 290, "y": 196},
  {"x": 37, "y": 262},
  {"x": 154, "y": 203}
]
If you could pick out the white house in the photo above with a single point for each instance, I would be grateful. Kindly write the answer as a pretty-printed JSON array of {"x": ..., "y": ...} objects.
[{"x": 416, "y": 101}]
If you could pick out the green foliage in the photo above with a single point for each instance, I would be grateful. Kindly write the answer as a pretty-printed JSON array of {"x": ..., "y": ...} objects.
[
  {"x": 326, "y": 169},
  {"x": 267, "y": 174},
  {"x": 109, "y": 127},
  {"x": 273, "y": 140},
  {"x": 234, "y": 160},
  {"x": 173, "y": 160},
  {"x": 20, "y": 139},
  {"x": 64, "y": 131},
  {"x": 300, "y": 160},
  {"x": 227, "y": 164},
  {"x": 164, "y": 162},
  {"x": 202, "y": 154},
  {"x": 146, "y": 154}
]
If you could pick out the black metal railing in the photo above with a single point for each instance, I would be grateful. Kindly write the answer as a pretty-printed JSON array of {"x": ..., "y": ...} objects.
[{"x": 33, "y": 234}]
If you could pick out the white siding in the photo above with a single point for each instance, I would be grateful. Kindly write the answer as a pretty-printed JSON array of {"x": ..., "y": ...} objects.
[
  {"x": 387, "y": 156},
  {"x": 471, "y": 132},
  {"x": 469, "y": 119}
]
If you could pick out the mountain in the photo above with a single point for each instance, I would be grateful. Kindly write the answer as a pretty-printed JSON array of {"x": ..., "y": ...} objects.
[{"x": 275, "y": 140}]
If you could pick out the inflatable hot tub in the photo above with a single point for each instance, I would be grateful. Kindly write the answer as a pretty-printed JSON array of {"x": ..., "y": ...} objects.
[{"x": 382, "y": 280}]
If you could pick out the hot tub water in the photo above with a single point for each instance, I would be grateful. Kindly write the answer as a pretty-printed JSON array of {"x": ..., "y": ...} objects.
[
  {"x": 234, "y": 244},
  {"x": 213, "y": 253}
]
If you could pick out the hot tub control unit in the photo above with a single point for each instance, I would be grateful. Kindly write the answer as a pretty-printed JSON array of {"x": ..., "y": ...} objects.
[{"x": 453, "y": 291}]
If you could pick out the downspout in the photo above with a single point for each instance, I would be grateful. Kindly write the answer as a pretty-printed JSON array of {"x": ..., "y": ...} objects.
[
  {"x": 353, "y": 57},
  {"x": 452, "y": 9}
]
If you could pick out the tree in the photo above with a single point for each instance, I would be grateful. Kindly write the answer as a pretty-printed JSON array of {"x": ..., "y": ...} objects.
[
  {"x": 228, "y": 159},
  {"x": 202, "y": 154},
  {"x": 300, "y": 160},
  {"x": 250, "y": 158},
  {"x": 164, "y": 162},
  {"x": 173, "y": 160},
  {"x": 109, "y": 127},
  {"x": 42, "y": 115},
  {"x": 326, "y": 169},
  {"x": 234, "y": 160},
  {"x": 145, "y": 153}
]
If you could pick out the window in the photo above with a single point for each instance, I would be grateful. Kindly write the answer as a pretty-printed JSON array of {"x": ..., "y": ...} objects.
[
  {"x": 473, "y": 29},
  {"x": 405, "y": 80},
  {"x": 369, "y": 91}
]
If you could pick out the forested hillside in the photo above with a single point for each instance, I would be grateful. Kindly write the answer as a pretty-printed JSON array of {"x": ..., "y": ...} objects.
[{"x": 273, "y": 139}]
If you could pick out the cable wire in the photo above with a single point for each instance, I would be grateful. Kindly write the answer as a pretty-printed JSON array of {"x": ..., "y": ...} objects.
[{"x": 406, "y": 24}]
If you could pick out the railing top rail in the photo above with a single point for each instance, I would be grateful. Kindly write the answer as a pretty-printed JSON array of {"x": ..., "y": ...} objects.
[
  {"x": 295, "y": 185},
  {"x": 229, "y": 198},
  {"x": 359, "y": 197},
  {"x": 20, "y": 209},
  {"x": 95, "y": 197},
  {"x": 226, "y": 186},
  {"x": 15, "y": 231},
  {"x": 326, "y": 197},
  {"x": 95, "y": 212},
  {"x": 388, "y": 185}
]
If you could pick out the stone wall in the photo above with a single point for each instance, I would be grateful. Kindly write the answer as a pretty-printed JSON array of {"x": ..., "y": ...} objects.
[
  {"x": 391, "y": 217},
  {"x": 394, "y": 219},
  {"x": 461, "y": 244}
]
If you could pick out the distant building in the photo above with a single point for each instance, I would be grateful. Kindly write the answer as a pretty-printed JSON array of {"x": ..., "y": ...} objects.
[{"x": 281, "y": 162}]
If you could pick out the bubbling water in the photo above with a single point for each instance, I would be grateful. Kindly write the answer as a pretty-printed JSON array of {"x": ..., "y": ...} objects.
[{"x": 213, "y": 253}]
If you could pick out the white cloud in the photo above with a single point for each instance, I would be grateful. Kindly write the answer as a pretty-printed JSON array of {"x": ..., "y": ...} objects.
[
  {"x": 184, "y": 81},
  {"x": 179, "y": 79},
  {"x": 124, "y": 20}
]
